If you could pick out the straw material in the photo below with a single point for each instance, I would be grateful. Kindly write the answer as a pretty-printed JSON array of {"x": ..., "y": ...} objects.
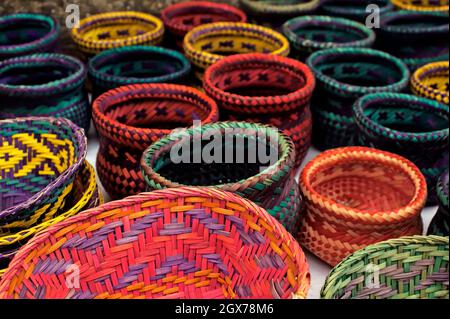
[
  {"x": 440, "y": 223},
  {"x": 404, "y": 268},
  {"x": 130, "y": 118},
  {"x": 176, "y": 243},
  {"x": 357, "y": 196},
  {"x": 423, "y": 5},
  {"x": 354, "y": 9},
  {"x": 431, "y": 81},
  {"x": 117, "y": 29}
]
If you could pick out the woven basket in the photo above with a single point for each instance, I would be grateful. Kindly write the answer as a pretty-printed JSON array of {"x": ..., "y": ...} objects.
[
  {"x": 312, "y": 33},
  {"x": 130, "y": 118},
  {"x": 26, "y": 33},
  {"x": 180, "y": 18},
  {"x": 416, "y": 128},
  {"x": 343, "y": 75},
  {"x": 400, "y": 30},
  {"x": 423, "y": 5},
  {"x": 84, "y": 195},
  {"x": 39, "y": 159},
  {"x": 265, "y": 89},
  {"x": 269, "y": 182},
  {"x": 177, "y": 243},
  {"x": 117, "y": 29},
  {"x": 405, "y": 268},
  {"x": 354, "y": 9},
  {"x": 136, "y": 64},
  {"x": 357, "y": 196},
  {"x": 44, "y": 85},
  {"x": 440, "y": 223},
  {"x": 431, "y": 81},
  {"x": 207, "y": 44}
]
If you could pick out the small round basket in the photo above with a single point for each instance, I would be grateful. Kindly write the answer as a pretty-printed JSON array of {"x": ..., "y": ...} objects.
[
  {"x": 136, "y": 64},
  {"x": 44, "y": 84},
  {"x": 39, "y": 159},
  {"x": 357, "y": 196},
  {"x": 440, "y": 223},
  {"x": 27, "y": 33},
  {"x": 423, "y": 5},
  {"x": 181, "y": 243},
  {"x": 117, "y": 29},
  {"x": 354, "y": 9},
  {"x": 237, "y": 166},
  {"x": 431, "y": 81}
]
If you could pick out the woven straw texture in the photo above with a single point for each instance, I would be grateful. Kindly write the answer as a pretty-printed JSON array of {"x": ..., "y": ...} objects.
[
  {"x": 177, "y": 243},
  {"x": 130, "y": 118},
  {"x": 84, "y": 195},
  {"x": 44, "y": 85},
  {"x": 265, "y": 89},
  {"x": 404, "y": 268},
  {"x": 422, "y": 5},
  {"x": 431, "y": 81},
  {"x": 39, "y": 159},
  {"x": 269, "y": 184},
  {"x": 357, "y": 196},
  {"x": 353, "y": 9},
  {"x": 440, "y": 223}
]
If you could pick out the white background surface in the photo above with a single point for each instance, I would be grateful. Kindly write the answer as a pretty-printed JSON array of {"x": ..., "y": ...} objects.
[{"x": 318, "y": 269}]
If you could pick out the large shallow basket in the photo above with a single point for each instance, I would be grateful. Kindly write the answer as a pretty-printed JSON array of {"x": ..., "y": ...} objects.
[
  {"x": 238, "y": 166},
  {"x": 405, "y": 268},
  {"x": 354, "y": 9},
  {"x": 175, "y": 243},
  {"x": 431, "y": 81},
  {"x": 39, "y": 159},
  {"x": 130, "y": 118},
  {"x": 423, "y": 5},
  {"x": 440, "y": 223},
  {"x": 357, "y": 196},
  {"x": 27, "y": 33}
]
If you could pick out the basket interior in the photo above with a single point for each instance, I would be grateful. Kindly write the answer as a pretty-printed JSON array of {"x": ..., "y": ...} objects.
[
  {"x": 22, "y": 31},
  {"x": 37, "y": 74},
  {"x": 326, "y": 32},
  {"x": 198, "y": 15},
  {"x": 436, "y": 79},
  {"x": 351, "y": 5}
]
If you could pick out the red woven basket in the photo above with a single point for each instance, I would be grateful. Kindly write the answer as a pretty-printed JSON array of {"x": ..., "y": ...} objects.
[{"x": 175, "y": 243}]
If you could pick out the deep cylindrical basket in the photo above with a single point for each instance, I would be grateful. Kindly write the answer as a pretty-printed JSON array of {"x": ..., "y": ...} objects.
[
  {"x": 207, "y": 44},
  {"x": 27, "y": 33},
  {"x": 267, "y": 89},
  {"x": 440, "y": 223},
  {"x": 253, "y": 160},
  {"x": 357, "y": 196},
  {"x": 343, "y": 75},
  {"x": 44, "y": 84},
  {"x": 136, "y": 64},
  {"x": 84, "y": 195},
  {"x": 177, "y": 243},
  {"x": 412, "y": 267},
  {"x": 355, "y": 9},
  {"x": 399, "y": 33},
  {"x": 39, "y": 159},
  {"x": 431, "y": 81},
  {"x": 422, "y": 5},
  {"x": 117, "y": 29},
  {"x": 180, "y": 18},
  {"x": 312, "y": 33},
  {"x": 130, "y": 118},
  {"x": 414, "y": 127}
]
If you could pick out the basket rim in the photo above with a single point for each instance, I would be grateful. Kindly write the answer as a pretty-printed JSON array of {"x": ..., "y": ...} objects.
[
  {"x": 259, "y": 7},
  {"x": 405, "y": 6},
  {"x": 388, "y": 17},
  {"x": 417, "y": 77}
]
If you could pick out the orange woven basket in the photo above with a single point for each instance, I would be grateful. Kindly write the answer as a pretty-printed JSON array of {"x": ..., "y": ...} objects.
[{"x": 175, "y": 243}]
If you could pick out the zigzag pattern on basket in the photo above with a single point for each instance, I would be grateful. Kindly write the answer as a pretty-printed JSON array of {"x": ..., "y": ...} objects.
[{"x": 431, "y": 81}]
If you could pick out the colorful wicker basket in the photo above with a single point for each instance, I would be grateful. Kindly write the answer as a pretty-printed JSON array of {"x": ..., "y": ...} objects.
[
  {"x": 27, "y": 33},
  {"x": 312, "y": 33},
  {"x": 84, "y": 195},
  {"x": 357, "y": 196},
  {"x": 422, "y": 5},
  {"x": 117, "y": 29},
  {"x": 207, "y": 44},
  {"x": 180, "y": 18},
  {"x": 44, "y": 85},
  {"x": 354, "y": 9},
  {"x": 400, "y": 30},
  {"x": 39, "y": 159},
  {"x": 431, "y": 81},
  {"x": 266, "y": 89},
  {"x": 268, "y": 180},
  {"x": 177, "y": 243},
  {"x": 130, "y": 118},
  {"x": 413, "y": 127},
  {"x": 440, "y": 223},
  {"x": 343, "y": 75},
  {"x": 136, "y": 64},
  {"x": 413, "y": 267}
]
